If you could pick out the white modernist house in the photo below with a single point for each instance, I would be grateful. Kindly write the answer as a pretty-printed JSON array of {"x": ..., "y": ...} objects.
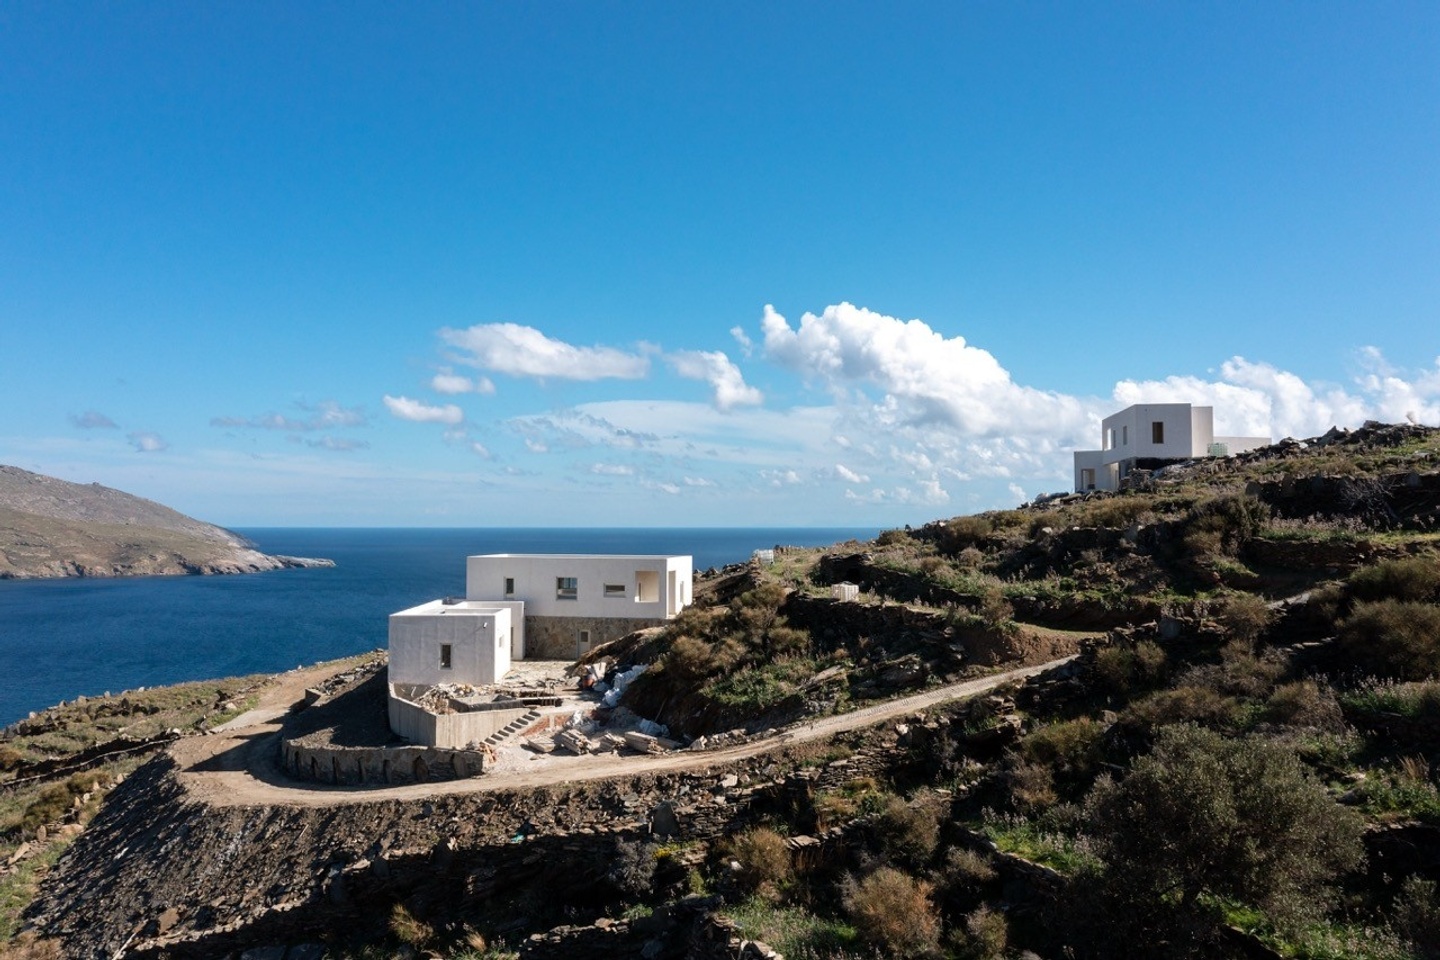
[
  {"x": 1151, "y": 435},
  {"x": 519, "y": 606}
]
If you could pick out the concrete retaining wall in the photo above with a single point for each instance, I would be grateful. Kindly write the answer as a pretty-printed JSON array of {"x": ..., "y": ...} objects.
[
  {"x": 450, "y": 730},
  {"x": 356, "y": 765}
]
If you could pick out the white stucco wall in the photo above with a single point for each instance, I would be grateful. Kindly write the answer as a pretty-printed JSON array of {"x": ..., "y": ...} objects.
[
  {"x": 479, "y": 636},
  {"x": 656, "y": 587}
]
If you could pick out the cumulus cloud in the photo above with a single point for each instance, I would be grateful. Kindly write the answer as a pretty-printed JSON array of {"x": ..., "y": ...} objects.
[
  {"x": 697, "y": 481},
  {"x": 93, "y": 420},
  {"x": 723, "y": 376},
  {"x": 781, "y": 478},
  {"x": 927, "y": 493},
  {"x": 480, "y": 450},
  {"x": 526, "y": 352},
  {"x": 146, "y": 442},
  {"x": 326, "y": 415},
  {"x": 420, "y": 412},
  {"x": 448, "y": 382},
  {"x": 747, "y": 346},
  {"x": 848, "y": 475},
  {"x": 341, "y": 444},
  {"x": 663, "y": 487},
  {"x": 925, "y": 378}
]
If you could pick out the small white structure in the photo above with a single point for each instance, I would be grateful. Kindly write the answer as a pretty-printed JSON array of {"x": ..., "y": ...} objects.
[
  {"x": 454, "y": 641},
  {"x": 1152, "y": 435},
  {"x": 844, "y": 591}
]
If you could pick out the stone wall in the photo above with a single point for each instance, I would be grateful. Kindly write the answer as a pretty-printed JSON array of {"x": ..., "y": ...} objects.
[
  {"x": 558, "y": 638},
  {"x": 327, "y": 763}
]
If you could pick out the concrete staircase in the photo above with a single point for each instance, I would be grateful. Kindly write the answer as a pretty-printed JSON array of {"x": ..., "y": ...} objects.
[{"x": 512, "y": 728}]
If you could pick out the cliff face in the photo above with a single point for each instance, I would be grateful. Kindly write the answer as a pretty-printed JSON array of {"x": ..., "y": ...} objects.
[{"x": 54, "y": 528}]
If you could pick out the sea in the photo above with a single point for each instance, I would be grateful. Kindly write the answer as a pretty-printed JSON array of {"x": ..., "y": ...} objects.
[{"x": 64, "y": 638}]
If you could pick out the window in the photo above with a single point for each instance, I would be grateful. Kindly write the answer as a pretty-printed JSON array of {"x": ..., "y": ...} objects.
[
  {"x": 1087, "y": 479},
  {"x": 615, "y": 590},
  {"x": 566, "y": 588},
  {"x": 1109, "y": 438},
  {"x": 444, "y": 656},
  {"x": 1125, "y": 436},
  {"x": 509, "y": 586},
  {"x": 1157, "y": 432}
]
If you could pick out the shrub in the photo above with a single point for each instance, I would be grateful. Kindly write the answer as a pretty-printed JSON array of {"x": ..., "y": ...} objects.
[
  {"x": 966, "y": 868},
  {"x": 964, "y": 533},
  {"x": 1416, "y": 579},
  {"x": 1205, "y": 816},
  {"x": 893, "y": 911},
  {"x": 1305, "y": 704},
  {"x": 764, "y": 858},
  {"x": 892, "y": 538},
  {"x": 1244, "y": 616},
  {"x": 1416, "y": 917},
  {"x": 1121, "y": 668},
  {"x": 1393, "y": 638},
  {"x": 1186, "y": 704},
  {"x": 1414, "y": 699},
  {"x": 1221, "y": 524},
  {"x": 633, "y": 869},
  {"x": 1032, "y": 787},
  {"x": 909, "y": 831},
  {"x": 984, "y": 935}
]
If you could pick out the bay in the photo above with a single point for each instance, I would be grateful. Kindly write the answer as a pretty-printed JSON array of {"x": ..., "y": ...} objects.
[{"x": 64, "y": 638}]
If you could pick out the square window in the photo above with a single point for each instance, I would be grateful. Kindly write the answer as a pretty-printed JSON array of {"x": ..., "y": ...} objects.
[
  {"x": 444, "y": 656},
  {"x": 566, "y": 588},
  {"x": 1157, "y": 432}
]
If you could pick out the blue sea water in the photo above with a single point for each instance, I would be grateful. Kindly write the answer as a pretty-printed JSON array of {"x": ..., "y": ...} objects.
[{"x": 64, "y": 638}]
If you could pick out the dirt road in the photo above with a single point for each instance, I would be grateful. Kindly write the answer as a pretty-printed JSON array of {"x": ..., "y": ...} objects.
[{"x": 237, "y": 767}]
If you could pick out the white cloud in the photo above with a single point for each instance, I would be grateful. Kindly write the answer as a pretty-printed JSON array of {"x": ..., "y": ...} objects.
[
  {"x": 781, "y": 478},
  {"x": 93, "y": 420},
  {"x": 669, "y": 488},
  {"x": 480, "y": 450},
  {"x": 419, "y": 412},
  {"x": 926, "y": 378},
  {"x": 344, "y": 444},
  {"x": 930, "y": 494},
  {"x": 326, "y": 415},
  {"x": 697, "y": 481},
  {"x": 723, "y": 376},
  {"x": 1017, "y": 491},
  {"x": 747, "y": 346},
  {"x": 448, "y": 382},
  {"x": 526, "y": 352},
  {"x": 612, "y": 469},
  {"x": 848, "y": 475},
  {"x": 146, "y": 442}
]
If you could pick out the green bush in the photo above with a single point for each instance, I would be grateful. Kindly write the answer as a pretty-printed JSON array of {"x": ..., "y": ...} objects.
[
  {"x": 1121, "y": 669},
  {"x": 1220, "y": 525},
  {"x": 1416, "y": 579},
  {"x": 1414, "y": 699},
  {"x": 1393, "y": 638},
  {"x": 985, "y": 935},
  {"x": 892, "y": 910},
  {"x": 1203, "y": 816},
  {"x": 968, "y": 869},
  {"x": 1244, "y": 616},
  {"x": 1186, "y": 704}
]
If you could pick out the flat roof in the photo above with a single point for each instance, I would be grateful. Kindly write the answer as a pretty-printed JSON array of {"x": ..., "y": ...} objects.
[
  {"x": 580, "y": 556},
  {"x": 472, "y": 607}
]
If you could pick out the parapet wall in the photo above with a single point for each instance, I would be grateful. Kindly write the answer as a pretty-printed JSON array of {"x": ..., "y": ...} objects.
[{"x": 392, "y": 764}]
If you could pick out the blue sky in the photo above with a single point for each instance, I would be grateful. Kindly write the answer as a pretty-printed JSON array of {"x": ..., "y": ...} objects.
[{"x": 694, "y": 264}]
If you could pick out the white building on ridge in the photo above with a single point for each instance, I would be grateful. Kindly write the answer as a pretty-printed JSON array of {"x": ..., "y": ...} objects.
[{"x": 1152, "y": 435}]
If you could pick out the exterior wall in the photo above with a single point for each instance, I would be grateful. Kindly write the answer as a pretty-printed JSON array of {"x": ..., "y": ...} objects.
[
  {"x": 558, "y": 638},
  {"x": 479, "y": 638},
  {"x": 1093, "y": 461},
  {"x": 651, "y": 587},
  {"x": 453, "y": 730},
  {"x": 1235, "y": 445}
]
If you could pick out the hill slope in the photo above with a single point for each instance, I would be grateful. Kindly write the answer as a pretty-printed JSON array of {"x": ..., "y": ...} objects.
[{"x": 54, "y": 528}]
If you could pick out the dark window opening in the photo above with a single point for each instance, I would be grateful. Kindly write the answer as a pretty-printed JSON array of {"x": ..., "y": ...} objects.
[
  {"x": 444, "y": 656},
  {"x": 566, "y": 588},
  {"x": 1157, "y": 432}
]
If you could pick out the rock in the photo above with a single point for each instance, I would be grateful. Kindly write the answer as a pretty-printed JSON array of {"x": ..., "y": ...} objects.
[
  {"x": 167, "y": 920},
  {"x": 663, "y": 822}
]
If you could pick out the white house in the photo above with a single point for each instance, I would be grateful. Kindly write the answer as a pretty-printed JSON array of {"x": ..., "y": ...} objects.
[
  {"x": 1152, "y": 435},
  {"x": 540, "y": 606}
]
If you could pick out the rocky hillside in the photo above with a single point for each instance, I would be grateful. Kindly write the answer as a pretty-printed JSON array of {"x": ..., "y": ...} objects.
[
  {"x": 1241, "y": 762},
  {"x": 54, "y": 528}
]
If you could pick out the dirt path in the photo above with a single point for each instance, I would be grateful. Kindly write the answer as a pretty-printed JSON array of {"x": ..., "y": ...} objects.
[{"x": 238, "y": 766}]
